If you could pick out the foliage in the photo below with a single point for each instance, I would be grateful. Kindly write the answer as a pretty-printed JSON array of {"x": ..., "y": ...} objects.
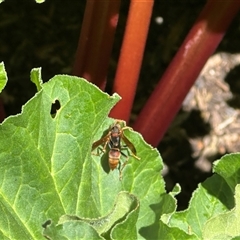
[{"x": 52, "y": 185}]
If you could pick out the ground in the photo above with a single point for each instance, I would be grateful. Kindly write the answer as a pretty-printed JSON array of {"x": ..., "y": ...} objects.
[{"x": 46, "y": 35}]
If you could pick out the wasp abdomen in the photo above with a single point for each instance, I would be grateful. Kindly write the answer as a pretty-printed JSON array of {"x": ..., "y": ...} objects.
[{"x": 114, "y": 157}]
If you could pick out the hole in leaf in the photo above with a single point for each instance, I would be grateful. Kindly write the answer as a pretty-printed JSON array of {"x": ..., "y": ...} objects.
[
  {"x": 55, "y": 106},
  {"x": 47, "y": 223}
]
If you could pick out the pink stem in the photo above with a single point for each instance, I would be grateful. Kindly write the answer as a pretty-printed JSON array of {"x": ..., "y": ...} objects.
[
  {"x": 96, "y": 40},
  {"x": 185, "y": 67},
  {"x": 131, "y": 56}
]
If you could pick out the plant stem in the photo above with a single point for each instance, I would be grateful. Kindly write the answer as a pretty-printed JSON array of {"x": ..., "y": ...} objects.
[
  {"x": 185, "y": 67},
  {"x": 130, "y": 59},
  {"x": 96, "y": 40}
]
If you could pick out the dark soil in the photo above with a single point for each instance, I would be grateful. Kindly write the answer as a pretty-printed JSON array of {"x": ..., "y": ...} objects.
[{"x": 46, "y": 35}]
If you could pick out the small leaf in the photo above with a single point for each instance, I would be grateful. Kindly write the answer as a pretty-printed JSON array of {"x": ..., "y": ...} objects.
[
  {"x": 225, "y": 226},
  {"x": 36, "y": 78},
  {"x": 228, "y": 167},
  {"x": 3, "y": 77},
  {"x": 176, "y": 190}
]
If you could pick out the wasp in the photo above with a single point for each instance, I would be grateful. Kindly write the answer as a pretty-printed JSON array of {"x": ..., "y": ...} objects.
[{"x": 113, "y": 140}]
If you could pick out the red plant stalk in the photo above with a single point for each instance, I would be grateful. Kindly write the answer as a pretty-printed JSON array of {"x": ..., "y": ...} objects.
[
  {"x": 96, "y": 40},
  {"x": 185, "y": 67},
  {"x": 130, "y": 59}
]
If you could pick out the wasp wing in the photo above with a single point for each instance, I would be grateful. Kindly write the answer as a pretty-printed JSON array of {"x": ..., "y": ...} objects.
[
  {"x": 104, "y": 140},
  {"x": 130, "y": 145}
]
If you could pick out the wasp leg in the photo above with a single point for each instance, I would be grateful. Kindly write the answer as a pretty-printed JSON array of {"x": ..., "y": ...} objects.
[
  {"x": 123, "y": 165},
  {"x": 98, "y": 143},
  {"x": 136, "y": 157},
  {"x": 102, "y": 151},
  {"x": 121, "y": 170},
  {"x": 131, "y": 153}
]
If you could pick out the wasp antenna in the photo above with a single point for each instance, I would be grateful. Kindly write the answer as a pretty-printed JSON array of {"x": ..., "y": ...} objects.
[
  {"x": 121, "y": 122},
  {"x": 126, "y": 127}
]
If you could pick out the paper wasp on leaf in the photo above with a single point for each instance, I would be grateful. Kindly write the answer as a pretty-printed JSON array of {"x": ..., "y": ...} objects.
[{"x": 113, "y": 141}]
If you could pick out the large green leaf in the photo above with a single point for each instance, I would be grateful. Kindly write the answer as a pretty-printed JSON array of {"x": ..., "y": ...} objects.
[
  {"x": 207, "y": 201},
  {"x": 53, "y": 185},
  {"x": 225, "y": 226},
  {"x": 47, "y": 169},
  {"x": 124, "y": 212},
  {"x": 210, "y": 205}
]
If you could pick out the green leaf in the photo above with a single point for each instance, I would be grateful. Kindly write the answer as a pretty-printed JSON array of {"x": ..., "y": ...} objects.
[
  {"x": 126, "y": 229},
  {"x": 3, "y": 76},
  {"x": 228, "y": 167},
  {"x": 172, "y": 233},
  {"x": 36, "y": 78},
  {"x": 47, "y": 169},
  {"x": 164, "y": 230},
  {"x": 225, "y": 226},
  {"x": 45, "y": 166},
  {"x": 126, "y": 204},
  {"x": 52, "y": 184},
  {"x": 211, "y": 198},
  {"x": 165, "y": 209},
  {"x": 72, "y": 230}
]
